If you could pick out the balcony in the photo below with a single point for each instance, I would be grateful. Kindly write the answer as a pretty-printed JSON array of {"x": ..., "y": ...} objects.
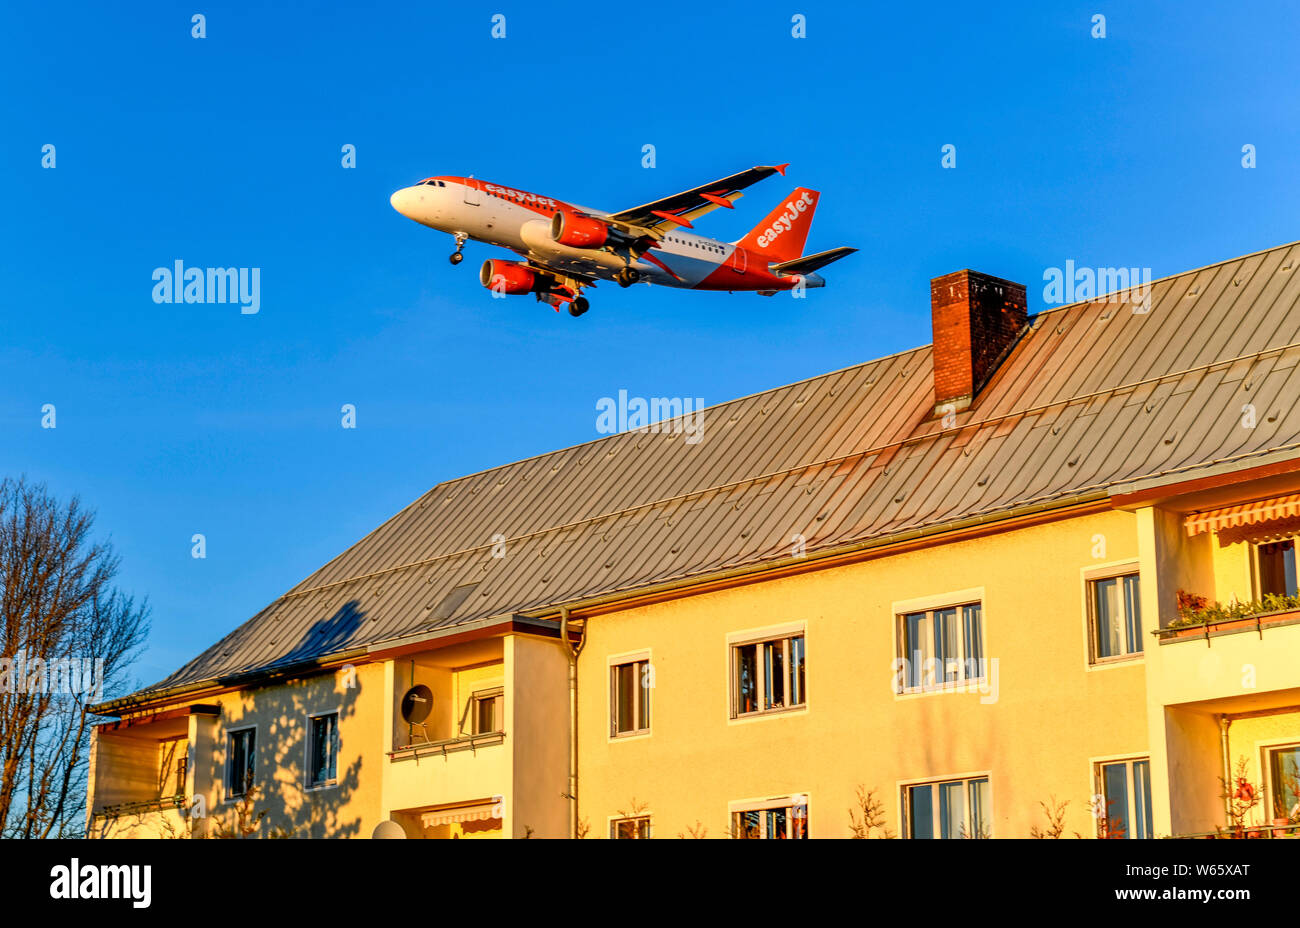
[
  {"x": 139, "y": 778},
  {"x": 1229, "y": 659},
  {"x": 448, "y": 748}
]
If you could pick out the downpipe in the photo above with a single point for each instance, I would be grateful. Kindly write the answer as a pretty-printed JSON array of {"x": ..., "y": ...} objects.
[{"x": 572, "y": 653}]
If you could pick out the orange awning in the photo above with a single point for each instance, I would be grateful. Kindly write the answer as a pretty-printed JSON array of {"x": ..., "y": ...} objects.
[
  {"x": 1260, "y": 511},
  {"x": 478, "y": 812}
]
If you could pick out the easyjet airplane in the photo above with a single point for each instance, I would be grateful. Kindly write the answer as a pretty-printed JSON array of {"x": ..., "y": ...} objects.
[{"x": 567, "y": 247}]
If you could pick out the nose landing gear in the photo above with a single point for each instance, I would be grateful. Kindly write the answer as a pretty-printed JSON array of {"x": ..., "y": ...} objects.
[{"x": 457, "y": 256}]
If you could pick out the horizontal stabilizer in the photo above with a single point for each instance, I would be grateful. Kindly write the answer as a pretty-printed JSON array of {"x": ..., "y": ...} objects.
[{"x": 809, "y": 263}]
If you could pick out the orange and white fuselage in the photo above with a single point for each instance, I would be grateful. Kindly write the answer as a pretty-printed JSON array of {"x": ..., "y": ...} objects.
[{"x": 571, "y": 246}]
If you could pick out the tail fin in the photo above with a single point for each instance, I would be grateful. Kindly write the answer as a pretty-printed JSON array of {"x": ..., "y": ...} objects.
[{"x": 781, "y": 236}]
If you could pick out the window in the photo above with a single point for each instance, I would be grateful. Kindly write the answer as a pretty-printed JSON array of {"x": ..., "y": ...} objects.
[
  {"x": 323, "y": 749},
  {"x": 776, "y": 818},
  {"x": 636, "y": 827},
  {"x": 1115, "y": 617},
  {"x": 1284, "y": 781},
  {"x": 485, "y": 712},
  {"x": 629, "y": 688},
  {"x": 241, "y": 749},
  {"x": 941, "y": 647},
  {"x": 1277, "y": 573},
  {"x": 767, "y": 676},
  {"x": 1122, "y": 805},
  {"x": 948, "y": 809}
]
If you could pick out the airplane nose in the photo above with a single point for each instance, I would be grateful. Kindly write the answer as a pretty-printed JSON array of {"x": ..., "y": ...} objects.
[{"x": 403, "y": 201}]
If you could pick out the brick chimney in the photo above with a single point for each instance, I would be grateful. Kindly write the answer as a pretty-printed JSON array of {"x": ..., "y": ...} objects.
[{"x": 976, "y": 319}]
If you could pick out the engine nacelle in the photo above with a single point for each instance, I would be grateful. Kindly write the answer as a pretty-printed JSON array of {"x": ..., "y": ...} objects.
[
  {"x": 508, "y": 277},
  {"x": 578, "y": 231}
]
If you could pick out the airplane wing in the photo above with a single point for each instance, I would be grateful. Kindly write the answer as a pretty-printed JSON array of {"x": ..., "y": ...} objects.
[{"x": 654, "y": 219}]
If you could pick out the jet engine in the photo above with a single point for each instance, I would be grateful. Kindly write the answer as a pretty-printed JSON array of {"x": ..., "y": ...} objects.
[
  {"x": 578, "y": 231},
  {"x": 509, "y": 277}
]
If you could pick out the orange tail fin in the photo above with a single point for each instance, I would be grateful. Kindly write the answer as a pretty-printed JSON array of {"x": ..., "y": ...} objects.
[{"x": 781, "y": 236}]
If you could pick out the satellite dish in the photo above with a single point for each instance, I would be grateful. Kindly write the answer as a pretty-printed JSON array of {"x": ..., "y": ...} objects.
[
  {"x": 388, "y": 829},
  {"x": 417, "y": 704}
]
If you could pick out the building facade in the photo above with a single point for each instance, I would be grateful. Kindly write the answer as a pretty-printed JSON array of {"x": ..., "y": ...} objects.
[{"x": 1036, "y": 576}]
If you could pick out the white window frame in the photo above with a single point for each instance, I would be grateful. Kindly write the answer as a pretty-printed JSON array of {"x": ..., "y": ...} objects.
[
  {"x": 957, "y": 600},
  {"x": 494, "y": 693},
  {"x": 226, "y": 795},
  {"x": 1099, "y": 788},
  {"x": 760, "y": 637},
  {"x": 616, "y": 820},
  {"x": 790, "y": 802},
  {"x": 338, "y": 739},
  {"x": 1090, "y": 576},
  {"x": 1256, "y": 567},
  {"x": 1263, "y": 751},
  {"x": 966, "y": 779},
  {"x": 641, "y": 693}
]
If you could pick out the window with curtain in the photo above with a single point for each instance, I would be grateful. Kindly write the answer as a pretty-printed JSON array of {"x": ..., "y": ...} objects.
[
  {"x": 941, "y": 647},
  {"x": 487, "y": 711},
  {"x": 1116, "y": 617},
  {"x": 1277, "y": 568},
  {"x": 323, "y": 749},
  {"x": 948, "y": 809},
  {"x": 630, "y": 697},
  {"x": 1284, "y": 781},
  {"x": 240, "y": 760},
  {"x": 1124, "y": 799},
  {"x": 777, "y": 819},
  {"x": 768, "y": 675},
  {"x": 634, "y": 827}
]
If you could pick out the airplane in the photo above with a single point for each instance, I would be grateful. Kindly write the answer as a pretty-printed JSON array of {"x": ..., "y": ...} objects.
[{"x": 567, "y": 247}]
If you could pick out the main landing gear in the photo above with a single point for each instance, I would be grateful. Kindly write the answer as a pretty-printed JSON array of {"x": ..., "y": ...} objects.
[
  {"x": 579, "y": 306},
  {"x": 457, "y": 256},
  {"x": 626, "y": 277}
]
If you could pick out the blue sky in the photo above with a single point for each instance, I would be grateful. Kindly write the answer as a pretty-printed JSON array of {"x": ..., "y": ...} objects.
[{"x": 225, "y": 151}]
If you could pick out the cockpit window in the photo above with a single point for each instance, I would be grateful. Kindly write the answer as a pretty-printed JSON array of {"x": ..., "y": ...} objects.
[{"x": 432, "y": 182}]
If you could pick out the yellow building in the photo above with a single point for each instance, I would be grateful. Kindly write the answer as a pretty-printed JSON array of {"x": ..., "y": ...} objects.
[{"x": 951, "y": 592}]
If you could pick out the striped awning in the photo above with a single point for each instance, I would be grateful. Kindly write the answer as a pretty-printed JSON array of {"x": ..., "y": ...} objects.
[
  {"x": 479, "y": 812},
  {"x": 1256, "y": 513}
]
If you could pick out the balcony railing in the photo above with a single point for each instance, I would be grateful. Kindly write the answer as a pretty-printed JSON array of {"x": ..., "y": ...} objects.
[
  {"x": 1207, "y": 631},
  {"x": 141, "y": 807},
  {"x": 1289, "y": 830},
  {"x": 448, "y": 745}
]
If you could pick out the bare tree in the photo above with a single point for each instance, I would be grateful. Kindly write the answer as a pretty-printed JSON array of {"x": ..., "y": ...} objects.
[
  {"x": 1055, "y": 812},
  {"x": 67, "y": 636},
  {"x": 871, "y": 824}
]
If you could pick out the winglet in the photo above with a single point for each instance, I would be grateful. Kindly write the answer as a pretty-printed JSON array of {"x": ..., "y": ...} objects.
[{"x": 780, "y": 168}]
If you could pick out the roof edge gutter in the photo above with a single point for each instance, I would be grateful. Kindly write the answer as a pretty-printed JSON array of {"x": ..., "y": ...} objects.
[
  {"x": 143, "y": 700},
  {"x": 376, "y": 650},
  {"x": 1150, "y": 489}
]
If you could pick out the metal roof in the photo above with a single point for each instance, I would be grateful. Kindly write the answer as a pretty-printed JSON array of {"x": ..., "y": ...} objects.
[{"x": 1094, "y": 394}]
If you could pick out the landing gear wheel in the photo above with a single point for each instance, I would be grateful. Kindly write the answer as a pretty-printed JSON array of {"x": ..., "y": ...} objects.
[
  {"x": 579, "y": 306},
  {"x": 626, "y": 277},
  {"x": 456, "y": 256}
]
